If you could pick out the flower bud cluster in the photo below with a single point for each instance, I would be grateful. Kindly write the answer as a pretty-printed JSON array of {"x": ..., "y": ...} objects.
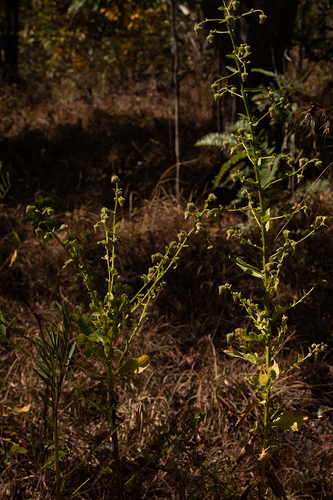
[
  {"x": 244, "y": 50},
  {"x": 191, "y": 210},
  {"x": 229, "y": 19},
  {"x": 211, "y": 198},
  {"x": 224, "y": 287},
  {"x": 181, "y": 236},
  {"x": 303, "y": 162}
]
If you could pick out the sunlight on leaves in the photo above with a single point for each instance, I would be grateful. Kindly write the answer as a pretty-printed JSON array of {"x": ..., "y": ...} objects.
[
  {"x": 23, "y": 410},
  {"x": 13, "y": 258},
  {"x": 136, "y": 365},
  {"x": 291, "y": 420}
]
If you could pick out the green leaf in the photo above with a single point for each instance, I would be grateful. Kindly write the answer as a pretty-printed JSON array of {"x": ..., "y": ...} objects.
[
  {"x": 52, "y": 424},
  {"x": 275, "y": 370},
  {"x": 234, "y": 160},
  {"x": 265, "y": 375},
  {"x": 266, "y": 219},
  {"x": 213, "y": 139},
  {"x": 98, "y": 337},
  {"x": 247, "y": 268},
  {"x": 50, "y": 462},
  {"x": 280, "y": 309},
  {"x": 291, "y": 420},
  {"x": 4, "y": 183},
  {"x": 44, "y": 376},
  {"x": 89, "y": 329},
  {"x": 252, "y": 358},
  {"x": 46, "y": 399},
  {"x": 248, "y": 336},
  {"x": 16, "y": 448},
  {"x": 71, "y": 352},
  {"x": 264, "y": 72},
  {"x": 85, "y": 324},
  {"x": 233, "y": 70},
  {"x": 136, "y": 365},
  {"x": 16, "y": 236}
]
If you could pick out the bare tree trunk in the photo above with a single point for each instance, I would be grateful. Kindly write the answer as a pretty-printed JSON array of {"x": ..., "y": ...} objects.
[
  {"x": 9, "y": 34},
  {"x": 176, "y": 85}
]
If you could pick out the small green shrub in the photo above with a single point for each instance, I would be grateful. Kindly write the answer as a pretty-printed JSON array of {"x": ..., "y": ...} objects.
[{"x": 102, "y": 330}]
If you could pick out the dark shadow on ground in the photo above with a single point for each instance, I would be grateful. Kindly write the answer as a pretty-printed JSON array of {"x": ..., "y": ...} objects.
[{"x": 76, "y": 162}]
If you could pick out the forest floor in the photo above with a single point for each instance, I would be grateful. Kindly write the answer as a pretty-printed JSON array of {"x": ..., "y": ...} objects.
[{"x": 61, "y": 151}]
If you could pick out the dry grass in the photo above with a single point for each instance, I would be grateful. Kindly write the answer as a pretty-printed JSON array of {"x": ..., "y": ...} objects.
[{"x": 188, "y": 321}]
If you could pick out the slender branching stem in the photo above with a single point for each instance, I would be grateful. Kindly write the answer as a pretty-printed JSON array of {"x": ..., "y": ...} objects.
[{"x": 253, "y": 157}]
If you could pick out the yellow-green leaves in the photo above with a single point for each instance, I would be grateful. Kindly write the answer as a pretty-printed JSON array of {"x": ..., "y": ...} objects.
[
  {"x": 13, "y": 258},
  {"x": 247, "y": 268},
  {"x": 291, "y": 420},
  {"x": 280, "y": 310},
  {"x": 136, "y": 365},
  {"x": 266, "y": 219},
  {"x": 252, "y": 358},
  {"x": 242, "y": 334},
  {"x": 268, "y": 374},
  {"x": 265, "y": 375}
]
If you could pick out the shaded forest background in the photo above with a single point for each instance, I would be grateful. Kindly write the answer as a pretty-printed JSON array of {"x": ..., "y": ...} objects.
[{"x": 87, "y": 90}]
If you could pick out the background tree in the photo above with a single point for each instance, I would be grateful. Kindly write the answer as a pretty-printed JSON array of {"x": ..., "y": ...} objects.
[{"x": 9, "y": 26}]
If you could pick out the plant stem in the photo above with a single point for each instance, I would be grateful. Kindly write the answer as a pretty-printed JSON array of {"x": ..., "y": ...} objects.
[
  {"x": 113, "y": 253},
  {"x": 121, "y": 489},
  {"x": 55, "y": 405},
  {"x": 253, "y": 157},
  {"x": 112, "y": 405}
]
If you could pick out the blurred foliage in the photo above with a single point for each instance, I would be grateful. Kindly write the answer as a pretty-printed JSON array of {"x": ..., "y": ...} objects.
[
  {"x": 117, "y": 39},
  {"x": 84, "y": 39},
  {"x": 87, "y": 40}
]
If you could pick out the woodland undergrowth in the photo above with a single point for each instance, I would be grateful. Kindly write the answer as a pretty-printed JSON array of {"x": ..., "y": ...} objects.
[{"x": 173, "y": 357}]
